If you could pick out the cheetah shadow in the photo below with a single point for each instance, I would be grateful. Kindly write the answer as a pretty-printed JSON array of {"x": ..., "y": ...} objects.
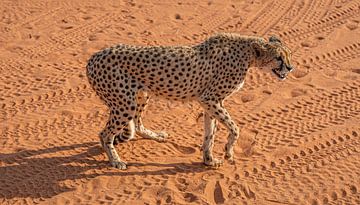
[{"x": 28, "y": 174}]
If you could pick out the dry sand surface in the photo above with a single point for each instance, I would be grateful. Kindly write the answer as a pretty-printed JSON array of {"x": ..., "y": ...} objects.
[{"x": 300, "y": 138}]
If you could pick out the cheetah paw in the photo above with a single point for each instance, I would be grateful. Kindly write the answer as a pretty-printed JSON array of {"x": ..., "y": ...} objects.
[
  {"x": 216, "y": 163},
  {"x": 161, "y": 136},
  {"x": 119, "y": 165},
  {"x": 230, "y": 157}
]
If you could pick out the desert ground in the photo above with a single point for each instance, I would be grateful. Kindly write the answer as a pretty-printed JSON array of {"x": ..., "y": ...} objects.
[{"x": 300, "y": 138}]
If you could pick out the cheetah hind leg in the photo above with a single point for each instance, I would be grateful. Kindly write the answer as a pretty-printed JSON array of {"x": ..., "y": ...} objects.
[
  {"x": 127, "y": 134},
  {"x": 142, "y": 99},
  {"x": 148, "y": 134},
  {"x": 107, "y": 135}
]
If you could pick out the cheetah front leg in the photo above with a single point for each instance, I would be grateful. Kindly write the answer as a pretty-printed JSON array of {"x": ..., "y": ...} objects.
[
  {"x": 217, "y": 111},
  {"x": 208, "y": 144},
  {"x": 142, "y": 99}
]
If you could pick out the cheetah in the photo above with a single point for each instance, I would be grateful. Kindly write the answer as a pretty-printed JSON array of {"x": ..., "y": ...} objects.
[{"x": 124, "y": 77}]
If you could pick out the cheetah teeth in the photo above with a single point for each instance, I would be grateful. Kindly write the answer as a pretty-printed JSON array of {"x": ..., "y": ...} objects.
[{"x": 280, "y": 76}]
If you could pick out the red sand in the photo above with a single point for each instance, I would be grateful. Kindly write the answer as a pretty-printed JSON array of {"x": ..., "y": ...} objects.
[{"x": 306, "y": 149}]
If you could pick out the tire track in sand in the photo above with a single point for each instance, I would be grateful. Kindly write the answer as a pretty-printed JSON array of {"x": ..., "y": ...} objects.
[
  {"x": 72, "y": 36},
  {"x": 332, "y": 154},
  {"x": 312, "y": 12},
  {"x": 39, "y": 77},
  {"x": 45, "y": 103},
  {"x": 285, "y": 126},
  {"x": 37, "y": 131},
  {"x": 324, "y": 25},
  {"x": 330, "y": 59},
  {"x": 267, "y": 17}
]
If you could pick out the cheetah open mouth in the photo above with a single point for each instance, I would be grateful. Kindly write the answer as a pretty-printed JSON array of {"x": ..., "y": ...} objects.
[{"x": 278, "y": 73}]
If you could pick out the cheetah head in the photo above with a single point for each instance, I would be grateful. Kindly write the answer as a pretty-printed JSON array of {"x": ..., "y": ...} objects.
[{"x": 273, "y": 56}]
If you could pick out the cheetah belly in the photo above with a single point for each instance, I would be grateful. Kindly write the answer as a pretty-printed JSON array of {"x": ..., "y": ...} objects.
[{"x": 237, "y": 88}]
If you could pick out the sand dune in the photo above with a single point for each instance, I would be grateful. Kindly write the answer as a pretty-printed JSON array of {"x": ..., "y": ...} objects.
[{"x": 300, "y": 138}]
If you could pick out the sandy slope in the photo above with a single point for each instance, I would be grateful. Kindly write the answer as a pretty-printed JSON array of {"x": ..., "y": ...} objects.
[{"x": 300, "y": 139}]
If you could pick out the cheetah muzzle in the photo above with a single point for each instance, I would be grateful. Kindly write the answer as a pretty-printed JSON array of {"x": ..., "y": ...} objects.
[
  {"x": 282, "y": 71},
  {"x": 125, "y": 76}
]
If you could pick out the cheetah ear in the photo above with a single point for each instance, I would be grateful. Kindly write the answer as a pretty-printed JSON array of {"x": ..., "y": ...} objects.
[
  {"x": 274, "y": 39},
  {"x": 258, "y": 48}
]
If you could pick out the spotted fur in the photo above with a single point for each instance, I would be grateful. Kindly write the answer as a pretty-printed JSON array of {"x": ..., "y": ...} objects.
[{"x": 124, "y": 77}]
